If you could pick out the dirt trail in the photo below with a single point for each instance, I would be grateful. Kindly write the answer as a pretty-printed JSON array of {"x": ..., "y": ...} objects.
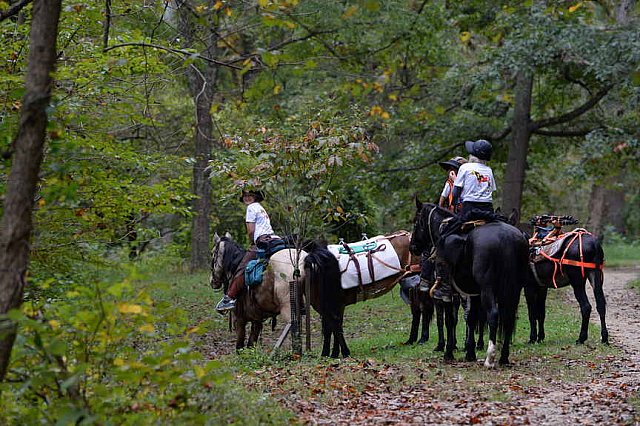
[{"x": 601, "y": 400}]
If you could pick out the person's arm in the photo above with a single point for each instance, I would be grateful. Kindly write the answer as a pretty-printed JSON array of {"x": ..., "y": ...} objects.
[
  {"x": 251, "y": 229},
  {"x": 442, "y": 202}
]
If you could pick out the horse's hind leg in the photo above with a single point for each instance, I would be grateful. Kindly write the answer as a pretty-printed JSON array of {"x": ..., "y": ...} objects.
[
  {"x": 472, "y": 320},
  {"x": 341, "y": 341},
  {"x": 579, "y": 291},
  {"x": 596, "y": 278},
  {"x": 530, "y": 295},
  {"x": 415, "y": 317},
  {"x": 326, "y": 336},
  {"x": 491, "y": 308}
]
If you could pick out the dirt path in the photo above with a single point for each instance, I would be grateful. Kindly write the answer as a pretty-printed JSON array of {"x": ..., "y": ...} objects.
[{"x": 600, "y": 400}]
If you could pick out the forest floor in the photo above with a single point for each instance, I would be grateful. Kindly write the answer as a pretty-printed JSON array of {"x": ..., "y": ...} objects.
[{"x": 608, "y": 392}]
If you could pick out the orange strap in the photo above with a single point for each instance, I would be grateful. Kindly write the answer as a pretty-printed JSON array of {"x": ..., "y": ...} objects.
[{"x": 557, "y": 263}]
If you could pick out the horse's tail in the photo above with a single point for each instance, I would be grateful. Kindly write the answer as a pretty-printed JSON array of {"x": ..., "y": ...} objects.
[
  {"x": 513, "y": 281},
  {"x": 326, "y": 288}
]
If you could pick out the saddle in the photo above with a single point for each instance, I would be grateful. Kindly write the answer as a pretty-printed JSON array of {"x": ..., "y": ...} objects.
[{"x": 267, "y": 247}]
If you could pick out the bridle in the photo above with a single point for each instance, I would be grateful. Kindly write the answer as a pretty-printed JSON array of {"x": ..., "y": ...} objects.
[
  {"x": 421, "y": 220},
  {"x": 219, "y": 276}
]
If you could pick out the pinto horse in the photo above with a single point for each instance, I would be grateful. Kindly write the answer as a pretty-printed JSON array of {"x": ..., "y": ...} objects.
[
  {"x": 330, "y": 299},
  {"x": 579, "y": 256},
  {"x": 491, "y": 269},
  {"x": 255, "y": 304}
]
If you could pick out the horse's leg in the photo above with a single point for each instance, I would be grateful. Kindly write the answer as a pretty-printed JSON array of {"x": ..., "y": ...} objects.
[
  {"x": 341, "y": 341},
  {"x": 579, "y": 291},
  {"x": 451, "y": 330},
  {"x": 541, "y": 312},
  {"x": 490, "y": 306},
  {"x": 240, "y": 332},
  {"x": 596, "y": 278},
  {"x": 482, "y": 322},
  {"x": 326, "y": 336},
  {"x": 254, "y": 333},
  {"x": 456, "y": 309},
  {"x": 530, "y": 295},
  {"x": 472, "y": 319},
  {"x": 426, "y": 307},
  {"x": 415, "y": 316},
  {"x": 440, "y": 323}
]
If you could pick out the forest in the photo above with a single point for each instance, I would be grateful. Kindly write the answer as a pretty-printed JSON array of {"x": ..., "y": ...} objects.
[{"x": 128, "y": 130}]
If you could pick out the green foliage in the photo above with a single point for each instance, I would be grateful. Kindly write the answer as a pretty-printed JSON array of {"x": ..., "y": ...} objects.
[
  {"x": 108, "y": 353},
  {"x": 620, "y": 252}
]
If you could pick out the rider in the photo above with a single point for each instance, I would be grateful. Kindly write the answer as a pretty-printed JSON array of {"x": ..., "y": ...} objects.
[
  {"x": 451, "y": 167},
  {"x": 475, "y": 183},
  {"x": 259, "y": 230}
]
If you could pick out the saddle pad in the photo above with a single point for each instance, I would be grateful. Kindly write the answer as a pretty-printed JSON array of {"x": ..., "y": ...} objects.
[
  {"x": 383, "y": 257},
  {"x": 553, "y": 248}
]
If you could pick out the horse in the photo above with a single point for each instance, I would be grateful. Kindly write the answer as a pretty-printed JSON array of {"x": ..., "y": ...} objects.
[
  {"x": 330, "y": 299},
  {"x": 579, "y": 257},
  {"x": 491, "y": 269},
  {"x": 267, "y": 300}
]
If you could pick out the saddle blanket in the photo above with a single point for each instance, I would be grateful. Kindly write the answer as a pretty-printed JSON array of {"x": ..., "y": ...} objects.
[
  {"x": 366, "y": 261},
  {"x": 553, "y": 249}
]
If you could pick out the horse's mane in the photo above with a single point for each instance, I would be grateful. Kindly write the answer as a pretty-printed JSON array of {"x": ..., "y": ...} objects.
[
  {"x": 231, "y": 258},
  {"x": 439, "y": 209}
]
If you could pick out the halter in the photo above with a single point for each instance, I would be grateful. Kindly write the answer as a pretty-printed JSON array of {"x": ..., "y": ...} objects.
[{"x": 228, "y": 265}]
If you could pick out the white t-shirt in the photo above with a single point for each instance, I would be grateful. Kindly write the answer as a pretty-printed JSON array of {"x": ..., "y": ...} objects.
[
  {"x": 258, "y": 215},
  {"x": 476, "y": 181}
]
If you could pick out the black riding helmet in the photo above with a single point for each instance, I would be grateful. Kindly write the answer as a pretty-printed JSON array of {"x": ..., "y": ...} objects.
[{"x": 480, "y": 148}]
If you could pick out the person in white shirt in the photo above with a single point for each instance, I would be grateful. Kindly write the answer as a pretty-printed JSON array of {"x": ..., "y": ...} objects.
[
  {"x": 258, "y": 229},
  {"x": 446, "y": 196},
  {"x": 475, "y": 184}
]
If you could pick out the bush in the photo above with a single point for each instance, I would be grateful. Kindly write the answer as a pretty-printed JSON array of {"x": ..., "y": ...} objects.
[{"x": 109, "y": 354}]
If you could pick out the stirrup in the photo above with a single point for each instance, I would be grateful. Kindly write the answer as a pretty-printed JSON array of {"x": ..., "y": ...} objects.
[{"x": 226, "y": 304}]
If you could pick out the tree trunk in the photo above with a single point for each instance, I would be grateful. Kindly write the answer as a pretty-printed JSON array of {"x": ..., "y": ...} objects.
[
  {"x": 28, "y": 146},
  {"x": 202, "y": 84},
  {"x": 606, "y": 207},
  {"x": 607, "y": 203},
  {"x": 519, "y": 145}
]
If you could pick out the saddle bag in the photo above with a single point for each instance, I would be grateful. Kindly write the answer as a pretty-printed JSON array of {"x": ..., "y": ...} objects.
[{"x": 254, "y": 271}]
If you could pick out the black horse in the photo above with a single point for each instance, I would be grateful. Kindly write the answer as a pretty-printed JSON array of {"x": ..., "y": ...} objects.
[
  {"x": 327, "y": 297},
  {"x": 491, "y": 269},
  {"x": 578, "y": 257}
]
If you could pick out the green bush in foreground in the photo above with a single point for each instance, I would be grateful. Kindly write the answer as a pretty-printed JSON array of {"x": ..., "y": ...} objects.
[{"x": 109, "y": 354}]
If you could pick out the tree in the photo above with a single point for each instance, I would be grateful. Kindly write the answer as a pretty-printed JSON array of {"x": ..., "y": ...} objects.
[{"x": 28, "y": 146}]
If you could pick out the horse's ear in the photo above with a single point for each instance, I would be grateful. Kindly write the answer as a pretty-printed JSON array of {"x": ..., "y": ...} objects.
[
  {"x": 216, "y": 238},
  {"x": 227, "y": 234},
  {"x": 418, "y": 202},
  {"x": 514, "y": 217}
]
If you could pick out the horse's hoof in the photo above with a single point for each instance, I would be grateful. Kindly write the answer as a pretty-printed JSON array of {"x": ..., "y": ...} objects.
[
  {"x": 504, "y": 362},
  {"x": 531, "y": 342},
  {"x": 580, "y": 342},
  {"x": 438, "y": 348},
  {"x": 449, "y": 358},
  {"x": 409, "y": 342},
  {"x": 470, "y": 358}
]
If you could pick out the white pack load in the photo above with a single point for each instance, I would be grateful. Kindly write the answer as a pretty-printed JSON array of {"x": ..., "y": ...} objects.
[{"x": 366, "y": 261}]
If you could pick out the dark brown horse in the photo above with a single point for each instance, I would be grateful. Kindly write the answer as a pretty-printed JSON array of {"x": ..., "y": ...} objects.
[
  {"x": 329, "y": 298},
  {"x": 267, "y": 300}
]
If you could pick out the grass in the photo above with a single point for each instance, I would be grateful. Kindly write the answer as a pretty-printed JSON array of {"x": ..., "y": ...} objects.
[
  {"x": 376, "y": 331},
  {"x": 619, "y": 253}
]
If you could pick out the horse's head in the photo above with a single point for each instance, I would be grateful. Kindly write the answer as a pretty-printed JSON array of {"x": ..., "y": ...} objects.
[
  {"x": 225, "y": 257},
  {"x": 426, "y": 227}
]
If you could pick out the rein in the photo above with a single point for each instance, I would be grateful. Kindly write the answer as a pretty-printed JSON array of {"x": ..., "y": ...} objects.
[{"x": 230, "y": 261}]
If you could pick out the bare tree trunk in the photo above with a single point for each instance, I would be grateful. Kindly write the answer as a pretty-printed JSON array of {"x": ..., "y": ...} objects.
[
  {"x": 519, "y": 145},
  {"x": 202, "y": 84},
  {"x": 28, "y": 146}
]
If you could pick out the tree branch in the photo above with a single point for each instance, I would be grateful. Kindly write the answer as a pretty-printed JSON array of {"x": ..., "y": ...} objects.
[
  {"x": 175, "y": 51},
  {"x": 564, "y": 133},
  {"x": 535, "y": 125},
  {"x": 434, "y": 160},
  {"x": 14, "y": 9}
]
